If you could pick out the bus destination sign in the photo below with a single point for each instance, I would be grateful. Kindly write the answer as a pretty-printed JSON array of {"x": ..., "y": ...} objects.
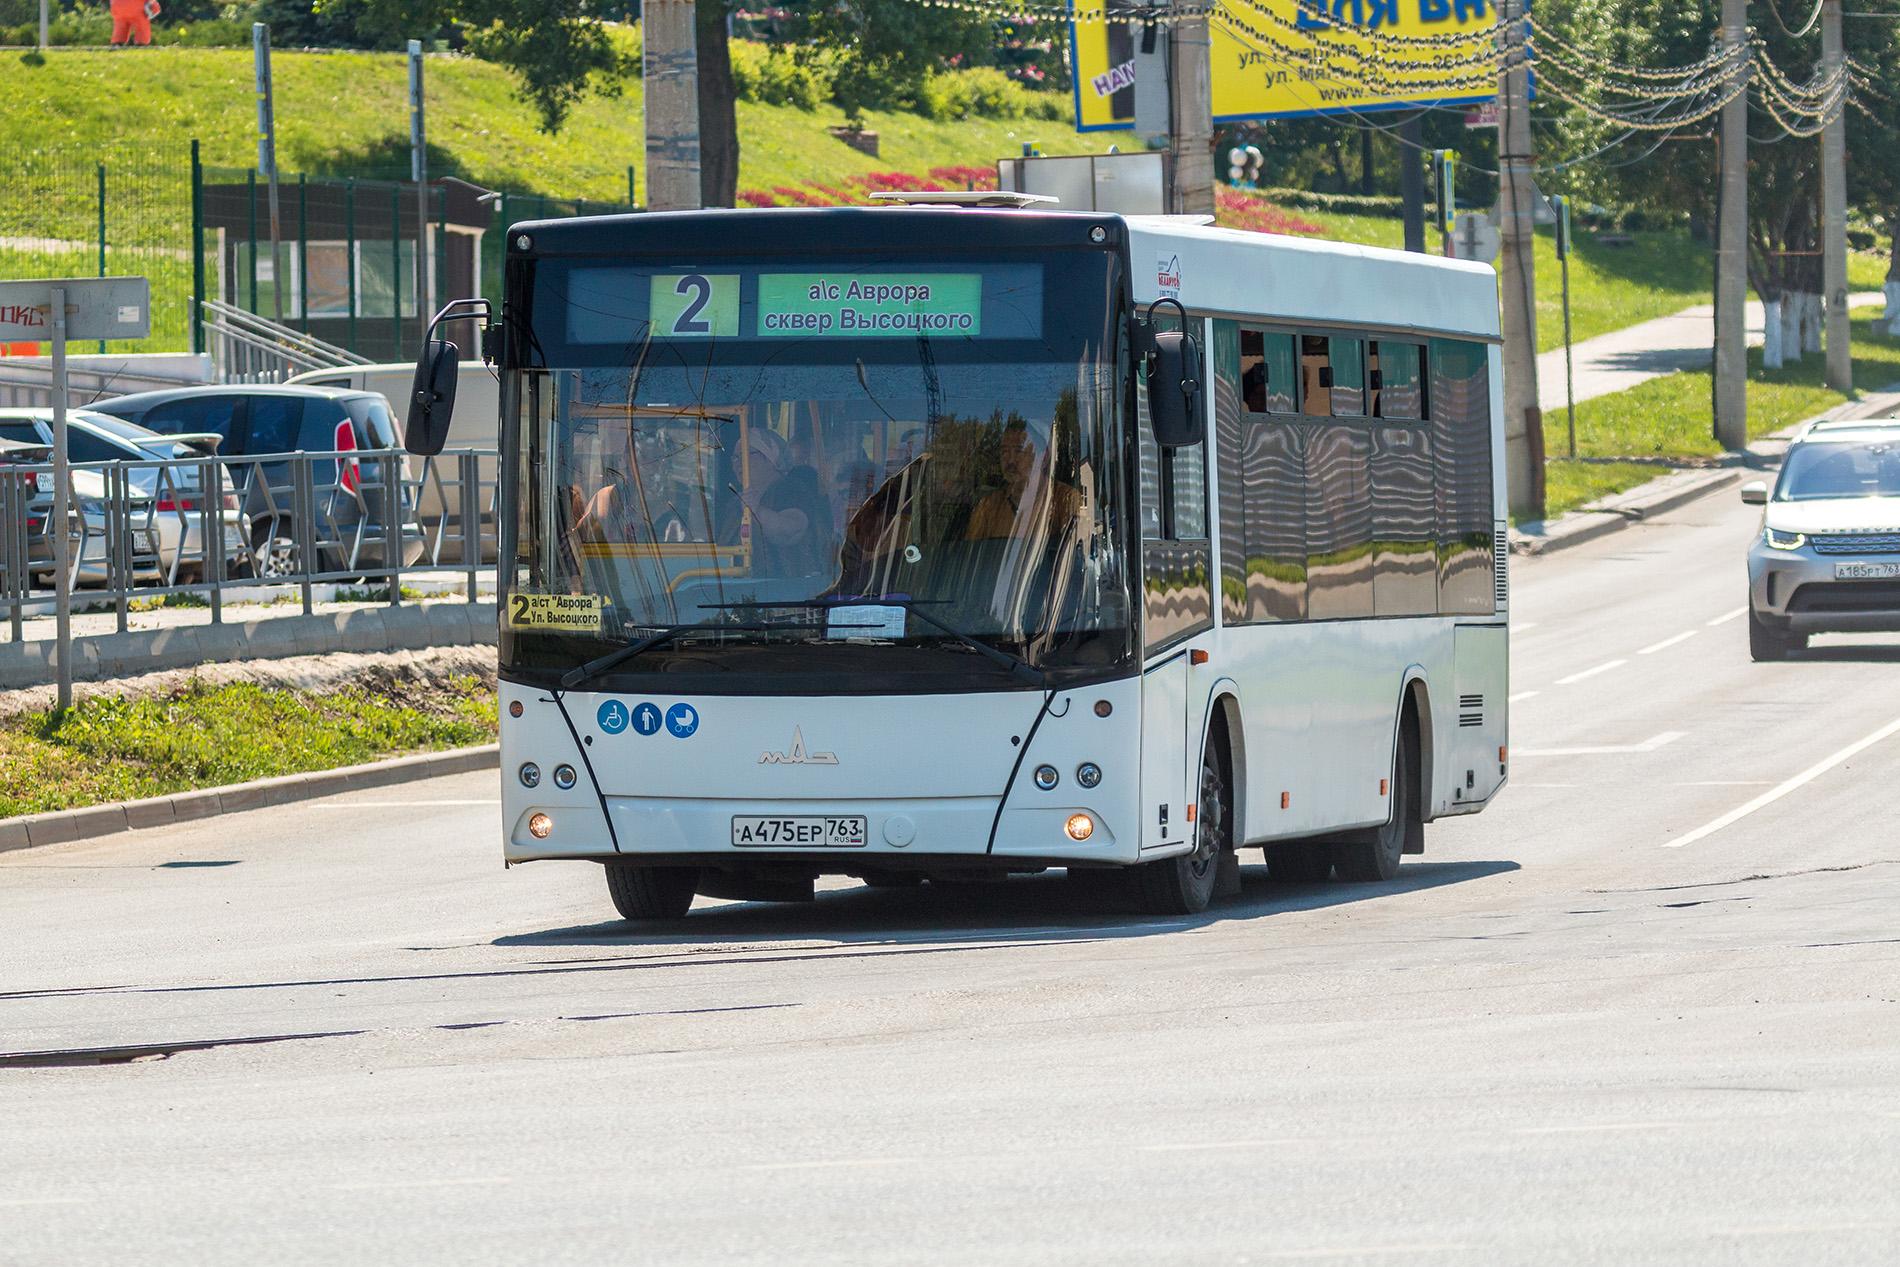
[{"x": 878, "y": 305}]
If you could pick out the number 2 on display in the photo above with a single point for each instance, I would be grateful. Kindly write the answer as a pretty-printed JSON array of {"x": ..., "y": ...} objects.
[{"x": 695, "y": 305}]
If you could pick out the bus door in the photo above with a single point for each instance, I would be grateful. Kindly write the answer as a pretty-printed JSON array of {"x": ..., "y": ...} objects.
[{"x": 1177, "y": 608}]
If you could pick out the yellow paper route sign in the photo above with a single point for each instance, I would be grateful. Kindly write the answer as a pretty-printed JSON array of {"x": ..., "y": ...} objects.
[
  {"x": 571, "y": 613},
  {"x": 1276, "y": 59}
]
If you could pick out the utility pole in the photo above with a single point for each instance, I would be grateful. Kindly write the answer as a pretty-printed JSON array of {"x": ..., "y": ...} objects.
[
  {"x": 1517, "y": 282},
  {"x": 59, "y": 518},
  {"x": 267, "y": 160},
  {"x": 1840, "y": 351},
  {"x": 419, "y": 173},
  {"x": 1412, "y": 180},
  {"x": 1731, "y": 251},
  {"x": 43, "y": 6},
  {"x": 670, "y": 58},
  {"x": 1190, "y": 117}
]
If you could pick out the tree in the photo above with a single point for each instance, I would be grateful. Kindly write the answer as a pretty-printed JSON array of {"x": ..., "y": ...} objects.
[
  {"x": 718, "y": 111},
  {"x": 881, "y": 52},
  {"x": 558, "y": 50}
]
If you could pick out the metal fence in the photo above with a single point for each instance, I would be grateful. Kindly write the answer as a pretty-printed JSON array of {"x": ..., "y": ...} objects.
[
  {"x": 202, "y": 526},
  {"x": 67, "y": 211},
  {"x": 355, "y": 262}
]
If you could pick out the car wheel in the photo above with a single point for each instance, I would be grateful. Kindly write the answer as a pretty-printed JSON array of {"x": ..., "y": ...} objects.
[
  {"x": 1770, "y": 644},
  {"x": 1375, "y": 855},
  {"x": 643, "y": 893},
  {"x": 273, "y": 553},
  {"x": 1184, "y": 885}
]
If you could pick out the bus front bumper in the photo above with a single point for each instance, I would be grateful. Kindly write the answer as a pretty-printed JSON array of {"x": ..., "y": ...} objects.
[{"x": 702, "y": 832}]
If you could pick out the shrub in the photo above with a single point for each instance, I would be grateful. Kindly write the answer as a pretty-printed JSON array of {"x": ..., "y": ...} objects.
[
  {"x": 774, "y": 77},
  {"x": 1363, "y": 204},
  {"x": 985, "y": 92}
]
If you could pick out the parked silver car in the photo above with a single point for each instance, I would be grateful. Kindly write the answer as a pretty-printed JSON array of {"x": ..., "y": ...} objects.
[{"x": 1827, "y": 559}]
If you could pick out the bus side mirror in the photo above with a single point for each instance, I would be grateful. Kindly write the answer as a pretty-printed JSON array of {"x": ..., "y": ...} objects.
[
  {"x": 1755, "y": 493},
  {"x": 431, "y": 399},
  {"x": 1174, "y": 390}
]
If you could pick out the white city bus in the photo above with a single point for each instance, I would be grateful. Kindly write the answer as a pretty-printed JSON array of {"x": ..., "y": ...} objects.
[{"x": 905, "y": 543}]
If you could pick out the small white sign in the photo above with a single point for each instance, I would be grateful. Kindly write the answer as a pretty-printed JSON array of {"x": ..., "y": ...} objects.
[
  {"x": 1168, "y": 276},
  {"x": 866, "y": 620},
  {"x": 129, "y": 314}
]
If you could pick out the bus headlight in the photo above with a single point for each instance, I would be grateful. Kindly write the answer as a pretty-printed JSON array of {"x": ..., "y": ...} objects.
[
  {"x": 1079, "y": 827},
  {"x": 1046, "y": 777},
  {"x": 564, "y": 776},
  {"x": 1088, "y": 774},
  {"x": 530, "y": 774},
  {"x": 540, "y": 826}
]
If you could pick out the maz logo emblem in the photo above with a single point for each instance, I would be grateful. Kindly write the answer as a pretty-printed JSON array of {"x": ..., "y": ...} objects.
[{"x": 797, "y": 755}]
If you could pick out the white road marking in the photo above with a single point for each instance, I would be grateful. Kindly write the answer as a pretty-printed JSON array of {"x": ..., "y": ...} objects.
[
  {"x": 1526, "y": 627},
  {"x": 1780, "y": 790},
  {"x": 1666, "y": 643},
  {"x": 836, "y": 1164},
  {"x": 1362, "y": 1251},
  {"x": 1520, "y": 695},
  {"x": 1592, "y": 1127},
  {"x": 1589, "y": 673},
  {"x": 446, "y": 1181},
  {"x": 1195, "y": 1146},
  {"x": 1603, "y": 750},
  {"x": 1516, "y": 784},
  {"x": 11, "y": 1202},
  {"x": 404, "y": 804},
  {"x": 1725, "y": 783},
  {"x": 1725, "y": 617}
]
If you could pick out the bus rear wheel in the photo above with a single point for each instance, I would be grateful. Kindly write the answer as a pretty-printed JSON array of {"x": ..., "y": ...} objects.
[
  {"x": 1375, "y": 855},
  {"x": 642, "y": 892},
  {"x": 1184, "y": 885}
]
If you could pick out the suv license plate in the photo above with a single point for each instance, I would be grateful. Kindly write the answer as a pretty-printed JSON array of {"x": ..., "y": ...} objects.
[
  {"x": 808, "y": 832},
  {"x": 1866, "y": 571}
]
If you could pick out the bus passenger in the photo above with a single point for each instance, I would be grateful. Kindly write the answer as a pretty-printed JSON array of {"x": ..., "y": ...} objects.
[
  {"x": 789, "y": 507},
  {"x": 1031, "y": 500}
]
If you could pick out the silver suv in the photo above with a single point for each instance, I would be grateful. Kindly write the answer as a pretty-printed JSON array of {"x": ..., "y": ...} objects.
[{"x": 1828, "y": 556}]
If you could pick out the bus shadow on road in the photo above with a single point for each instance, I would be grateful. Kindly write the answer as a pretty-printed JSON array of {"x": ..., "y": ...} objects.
[
  {"x": 1025, "y": 907},
  {"x": 1848, "y": 653}
]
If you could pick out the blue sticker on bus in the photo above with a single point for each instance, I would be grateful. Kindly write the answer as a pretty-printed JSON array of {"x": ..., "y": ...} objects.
[
  {"x": 646, "y": 718},
  {"x": 612, "y": 717},
  {"x": 682, "y": 720}
]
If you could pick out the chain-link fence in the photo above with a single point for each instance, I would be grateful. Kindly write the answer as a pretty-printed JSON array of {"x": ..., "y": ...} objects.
[{"x": 71, "y": 212}]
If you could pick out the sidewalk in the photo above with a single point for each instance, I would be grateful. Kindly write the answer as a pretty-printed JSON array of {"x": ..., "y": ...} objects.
[{"x": 1623, "y": 358}]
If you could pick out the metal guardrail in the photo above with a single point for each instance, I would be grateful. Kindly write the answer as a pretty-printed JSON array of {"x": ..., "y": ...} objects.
[
  {"x": 247, "y": 348},
  {"x": 201, "y": 526}
]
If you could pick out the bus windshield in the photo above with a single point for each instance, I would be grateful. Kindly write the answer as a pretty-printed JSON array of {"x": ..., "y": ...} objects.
[{"x": 770, "y": 455}]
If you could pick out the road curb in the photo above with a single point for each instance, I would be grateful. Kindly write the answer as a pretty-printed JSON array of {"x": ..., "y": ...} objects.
[
  {"x": 1658, "y": 496},
  {"x": 62, "y": 826},
  {"x": 1679, "y": 488}
]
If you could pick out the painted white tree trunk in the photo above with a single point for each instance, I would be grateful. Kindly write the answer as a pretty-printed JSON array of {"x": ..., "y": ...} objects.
[
  {"x": 1811, "y": 322},
  {"x": 1771, "y": 334},
  {"x": 1791, "y": 326},
  {"x": 1893, "y": 305}
]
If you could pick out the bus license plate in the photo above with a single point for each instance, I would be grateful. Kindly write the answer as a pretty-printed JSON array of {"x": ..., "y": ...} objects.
[
  {"x": 1866, "y": 571},
  {"x": 845, "y": 832}
]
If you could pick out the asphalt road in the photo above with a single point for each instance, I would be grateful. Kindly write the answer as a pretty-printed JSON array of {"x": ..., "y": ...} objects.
[{"x": 1610, "y": 1020}]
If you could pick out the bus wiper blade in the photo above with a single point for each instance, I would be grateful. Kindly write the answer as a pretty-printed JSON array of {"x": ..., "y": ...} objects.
[
  {"x": 620, "y": 655},
  {"x": 1019, "y": 668}
]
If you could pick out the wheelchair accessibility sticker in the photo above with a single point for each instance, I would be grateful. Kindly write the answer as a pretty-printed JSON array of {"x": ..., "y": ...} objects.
[{"x": 612, "y": 717}]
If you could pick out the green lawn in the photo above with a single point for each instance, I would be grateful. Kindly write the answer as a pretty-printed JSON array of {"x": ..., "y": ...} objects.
[
  {"x": 109, "y": 748},
  {"x": 1657, "y": 273},
  {"x": 1671, "y": 418},
  {"x": 347, "y": 112}
]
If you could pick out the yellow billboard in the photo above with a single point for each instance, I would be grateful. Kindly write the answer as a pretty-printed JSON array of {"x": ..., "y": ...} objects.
[{"x": 1276, "y": 59}]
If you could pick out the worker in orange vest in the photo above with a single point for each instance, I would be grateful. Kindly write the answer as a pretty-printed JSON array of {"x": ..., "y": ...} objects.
[{"x": 132, "y": 21}]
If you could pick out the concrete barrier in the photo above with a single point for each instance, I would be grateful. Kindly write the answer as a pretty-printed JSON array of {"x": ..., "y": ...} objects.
[{"x": 371, "y": 628}]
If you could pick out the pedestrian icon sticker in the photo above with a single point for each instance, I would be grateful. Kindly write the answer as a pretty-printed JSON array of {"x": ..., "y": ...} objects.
[
  {"x": 612, "y": 717},
  {"x": 682, "y": 720},
  {"x": 646, "y": 718}
]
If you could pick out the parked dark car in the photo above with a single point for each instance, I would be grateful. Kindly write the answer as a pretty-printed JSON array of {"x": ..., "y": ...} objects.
[{"x": 350, "y": 521}]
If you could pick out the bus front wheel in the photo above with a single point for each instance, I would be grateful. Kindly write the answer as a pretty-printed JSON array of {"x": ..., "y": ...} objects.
[
  {"x": 641, "y": 892},
  {"x": 1184, "y": 885}
]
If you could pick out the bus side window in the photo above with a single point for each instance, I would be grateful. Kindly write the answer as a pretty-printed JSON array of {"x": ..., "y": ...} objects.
[
  {"x": 1316, "y": 375},
  {"x": 1269, "y": 372},
  {"x": 1348, "y": 360},
  {"x": 1400, "y": 385}
]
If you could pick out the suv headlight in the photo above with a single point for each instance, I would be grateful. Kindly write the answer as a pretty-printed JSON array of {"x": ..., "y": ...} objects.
[{"x": 1779, "y": 540}]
